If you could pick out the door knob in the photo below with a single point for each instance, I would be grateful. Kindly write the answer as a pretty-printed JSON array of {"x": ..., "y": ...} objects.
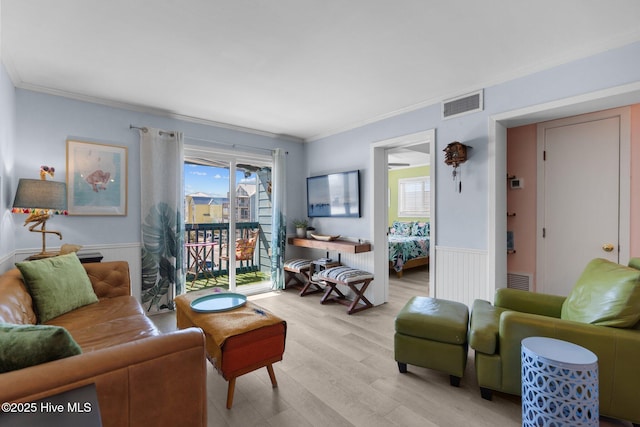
[{"x": 607, "y": 247}]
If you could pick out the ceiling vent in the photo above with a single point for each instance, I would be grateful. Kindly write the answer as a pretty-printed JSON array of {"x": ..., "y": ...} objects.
[{"x": 465, "y": 104}]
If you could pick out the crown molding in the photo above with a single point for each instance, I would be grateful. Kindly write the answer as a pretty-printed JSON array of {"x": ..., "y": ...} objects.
[
  {"x": 577, "y": 54},
  {"x": 148, "y": 110}
]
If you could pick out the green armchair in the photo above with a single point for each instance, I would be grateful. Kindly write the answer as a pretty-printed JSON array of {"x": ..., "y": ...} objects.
[{"x": 602, "y": 314}]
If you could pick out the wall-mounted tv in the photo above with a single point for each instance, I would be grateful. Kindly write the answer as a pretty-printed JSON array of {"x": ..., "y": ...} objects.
[{"x": 334, "y": 195}]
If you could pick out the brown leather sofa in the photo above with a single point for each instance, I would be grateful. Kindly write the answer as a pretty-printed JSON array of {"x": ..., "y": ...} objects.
[{"x": 142, "y": 377}]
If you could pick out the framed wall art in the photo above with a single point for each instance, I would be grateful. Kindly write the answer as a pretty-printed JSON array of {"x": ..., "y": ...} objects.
[{"x": 96, "y": 178}]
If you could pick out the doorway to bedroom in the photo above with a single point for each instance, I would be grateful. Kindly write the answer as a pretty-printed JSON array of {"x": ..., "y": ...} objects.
[
  {"x": 409, "y": 209},
  {"x": 384, "y": 153}
]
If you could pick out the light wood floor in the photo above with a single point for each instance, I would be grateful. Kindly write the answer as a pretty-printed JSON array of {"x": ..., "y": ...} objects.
[{"x": 339, "y": 370}]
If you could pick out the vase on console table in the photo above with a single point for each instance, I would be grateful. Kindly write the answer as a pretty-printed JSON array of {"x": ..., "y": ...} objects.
[{"x": 301, "y": 227}]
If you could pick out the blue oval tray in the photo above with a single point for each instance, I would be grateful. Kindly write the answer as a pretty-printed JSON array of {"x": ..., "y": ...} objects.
[{"x": 218, "y": 302}]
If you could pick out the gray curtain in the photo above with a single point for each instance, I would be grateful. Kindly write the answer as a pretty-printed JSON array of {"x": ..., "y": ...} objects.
[
  {"x": 162, "y": 200},
  {"x": 279, "y": 219}
]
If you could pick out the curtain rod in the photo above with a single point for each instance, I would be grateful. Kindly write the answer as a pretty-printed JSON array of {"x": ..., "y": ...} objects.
[
  {"x": 228, "y": 144},
  {"x": 145, "y": 130}
]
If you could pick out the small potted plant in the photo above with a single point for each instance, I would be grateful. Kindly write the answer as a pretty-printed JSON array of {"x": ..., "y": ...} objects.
[{"x": 301, "y": 227}]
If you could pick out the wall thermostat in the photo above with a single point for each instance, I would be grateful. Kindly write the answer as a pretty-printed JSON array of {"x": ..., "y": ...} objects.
[{"x": 516, "y": 183}]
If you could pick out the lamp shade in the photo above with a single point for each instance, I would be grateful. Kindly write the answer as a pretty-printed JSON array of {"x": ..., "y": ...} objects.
[{"x": 41, "y": 194}]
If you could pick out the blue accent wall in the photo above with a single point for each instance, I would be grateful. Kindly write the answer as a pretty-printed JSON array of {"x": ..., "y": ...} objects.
[
  {"x": 7, "y": 140},
  {"x": 462, "y": 218},
  {"x": 44, "y": 123},
  {"x": 35, "y": 127}
]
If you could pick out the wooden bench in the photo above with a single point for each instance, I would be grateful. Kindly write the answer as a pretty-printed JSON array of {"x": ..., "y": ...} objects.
[{"x": 297, "y": 275}]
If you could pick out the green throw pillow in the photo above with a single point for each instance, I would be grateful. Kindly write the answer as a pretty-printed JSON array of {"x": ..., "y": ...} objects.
[
  {"x": 634, "y": 263},
  {"x": 606, "y": 294},
  {"x": 27, "y": 345},
  {"x": 57, "y": 285}
]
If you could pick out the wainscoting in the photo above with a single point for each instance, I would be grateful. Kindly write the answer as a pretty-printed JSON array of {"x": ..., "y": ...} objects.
[
  {"x": 461, "y": 275},
  {"x": 7, "y": 262}
]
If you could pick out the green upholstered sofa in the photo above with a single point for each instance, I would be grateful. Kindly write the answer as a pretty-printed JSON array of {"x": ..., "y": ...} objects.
[{"x": 601, "y": 313}]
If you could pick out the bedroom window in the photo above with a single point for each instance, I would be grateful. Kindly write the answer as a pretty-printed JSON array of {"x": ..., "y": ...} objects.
[{"x": 413, "y": 197}]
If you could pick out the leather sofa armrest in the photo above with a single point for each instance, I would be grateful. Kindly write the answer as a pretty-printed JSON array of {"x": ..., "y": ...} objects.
[
  {"x": 159, "y": 381},
  {"x": 483, "y": 327},
  {"x": 109, "y": 279},
  {"x": 605, "y": 341},
  {"x": 484, "y": 333},
  {"x": 529, "y": 302}
]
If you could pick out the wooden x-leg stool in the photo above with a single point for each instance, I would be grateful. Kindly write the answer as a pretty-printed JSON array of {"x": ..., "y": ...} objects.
[
  {"x": 356, "y": 280},
  {"x": 298, "y": 275}
]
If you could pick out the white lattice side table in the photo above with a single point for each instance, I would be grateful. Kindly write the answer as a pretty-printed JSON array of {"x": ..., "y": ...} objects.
[{"x": 559, "y": 384}]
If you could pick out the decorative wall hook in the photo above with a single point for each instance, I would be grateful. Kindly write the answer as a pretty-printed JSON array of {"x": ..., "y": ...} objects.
[{"x": 455, "y": 154}]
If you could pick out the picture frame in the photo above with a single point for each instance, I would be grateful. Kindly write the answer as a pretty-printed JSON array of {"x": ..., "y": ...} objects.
[{"x": 96, "y": 178}]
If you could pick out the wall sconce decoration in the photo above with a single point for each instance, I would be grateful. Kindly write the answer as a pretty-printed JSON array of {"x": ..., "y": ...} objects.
[
  {"x": 455, "y": 154},
  {"x": 41, "y": 199}
]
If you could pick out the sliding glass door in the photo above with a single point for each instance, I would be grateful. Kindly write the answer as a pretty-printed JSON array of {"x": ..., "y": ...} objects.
[{"x": 228, "y": 220}]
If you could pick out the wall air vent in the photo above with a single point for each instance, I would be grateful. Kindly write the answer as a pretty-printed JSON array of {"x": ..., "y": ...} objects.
[
  {"x": 520, "y": 281},
  {"x": 465, "y": 104}
]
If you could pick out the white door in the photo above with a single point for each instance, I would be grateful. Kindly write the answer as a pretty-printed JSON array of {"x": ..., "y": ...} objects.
[{"x": 579, "y": 197}]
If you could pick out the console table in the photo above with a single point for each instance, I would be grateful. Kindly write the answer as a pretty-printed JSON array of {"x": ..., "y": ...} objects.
[{"x": 338, "y": 245}]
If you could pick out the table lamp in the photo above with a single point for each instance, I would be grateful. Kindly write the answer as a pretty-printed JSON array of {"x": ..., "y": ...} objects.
[{"x": 41, "y": 199}]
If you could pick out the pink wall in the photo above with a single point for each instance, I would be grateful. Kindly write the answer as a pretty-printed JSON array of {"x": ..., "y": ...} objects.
[
  {"x": 521, "y": 155},
  {"x": 521, "y": 163}
]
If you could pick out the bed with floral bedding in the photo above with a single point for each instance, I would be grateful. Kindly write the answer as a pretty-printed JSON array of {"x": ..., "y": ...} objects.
[{"x": 408, "y": 245}]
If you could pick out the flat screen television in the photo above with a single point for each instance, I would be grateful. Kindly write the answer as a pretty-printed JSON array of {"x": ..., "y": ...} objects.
[{"x": 334, "y": 195}]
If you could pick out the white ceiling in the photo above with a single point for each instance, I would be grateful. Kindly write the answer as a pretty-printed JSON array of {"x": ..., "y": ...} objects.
[
  {"x": 304, "y": 68},
  {"x": 417, "y": 155}
]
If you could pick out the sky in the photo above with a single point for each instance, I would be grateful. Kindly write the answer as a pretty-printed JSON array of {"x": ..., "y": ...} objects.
[{"x": 210, "y": 180}]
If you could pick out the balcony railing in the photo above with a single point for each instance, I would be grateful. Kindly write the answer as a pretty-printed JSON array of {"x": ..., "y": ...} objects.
[{"x": 216, "y": 240}]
